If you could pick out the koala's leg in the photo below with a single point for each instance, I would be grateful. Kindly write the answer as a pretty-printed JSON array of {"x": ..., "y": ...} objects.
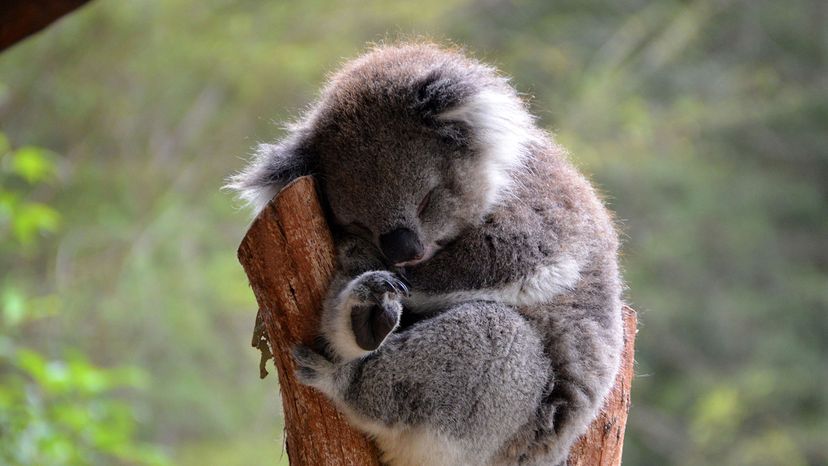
[
  {"x": 449, "y": 390},
  {"x": 583, "y": 336}
]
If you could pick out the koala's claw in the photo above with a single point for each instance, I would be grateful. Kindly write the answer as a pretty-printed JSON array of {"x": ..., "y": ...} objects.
[
  {"x": 398, "y": 287},
  {"x": 372, "y": 286}
]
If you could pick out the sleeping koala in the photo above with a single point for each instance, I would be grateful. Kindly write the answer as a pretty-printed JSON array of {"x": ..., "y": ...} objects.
[{"x": 475, "y": 318}]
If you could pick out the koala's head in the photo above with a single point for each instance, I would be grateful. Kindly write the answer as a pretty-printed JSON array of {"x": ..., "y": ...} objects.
[{"x": 411, "y": 143}]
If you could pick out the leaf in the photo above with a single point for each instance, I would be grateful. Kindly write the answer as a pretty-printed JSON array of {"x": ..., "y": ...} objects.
[
  {"x": 32, "y": 218},
  {"x": 32, "y": 363},
  {"x": 33, "y": 164},
  {"x": 14, "y": 306}
]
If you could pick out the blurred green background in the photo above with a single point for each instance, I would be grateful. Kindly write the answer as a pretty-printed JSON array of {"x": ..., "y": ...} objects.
[{"x": 126, "y": 320}]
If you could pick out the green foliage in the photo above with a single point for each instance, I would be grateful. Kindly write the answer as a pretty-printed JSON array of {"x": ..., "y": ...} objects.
[
  {"x": 52, "y": 410},
  {"x": 703, "y": 122},
  {"x": 28, "y": 166}
]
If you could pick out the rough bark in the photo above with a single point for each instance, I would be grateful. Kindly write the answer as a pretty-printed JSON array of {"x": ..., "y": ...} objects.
[
  {"x": 288, "y": 255},
  {"x": 22, "y": 18}
]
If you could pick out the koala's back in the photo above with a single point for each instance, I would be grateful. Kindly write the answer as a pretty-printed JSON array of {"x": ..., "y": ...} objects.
[
  {"x": 581, "y": 325},
  {"x": 551, "y": 252}
]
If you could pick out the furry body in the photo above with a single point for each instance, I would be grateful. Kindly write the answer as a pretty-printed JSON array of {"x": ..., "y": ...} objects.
[{"x": 505, "y": 260}]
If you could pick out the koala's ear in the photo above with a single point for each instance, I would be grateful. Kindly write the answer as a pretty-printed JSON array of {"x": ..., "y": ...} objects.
[
  {"x": 437, "y": 92},
  {"x": 272, "y": 167}
]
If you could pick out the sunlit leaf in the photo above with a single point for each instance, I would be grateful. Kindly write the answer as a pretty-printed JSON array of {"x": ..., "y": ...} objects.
[
  {"x": 32, "y": 363},
  {"x": 32, "y": 164},
  {"x": 86, "y": 377},
  {"x": 33, "y": 218},
  {"x": 72, "y": 415},
  {"x": 14, "y": 306}
]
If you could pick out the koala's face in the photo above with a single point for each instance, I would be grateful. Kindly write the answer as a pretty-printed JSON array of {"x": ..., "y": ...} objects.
[{"x": 400, "y": 183}]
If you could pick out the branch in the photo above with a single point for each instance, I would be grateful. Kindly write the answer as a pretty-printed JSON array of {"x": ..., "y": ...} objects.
[
  {"x": 22, "y": 18},
  {"x": 288, "y": 255}
]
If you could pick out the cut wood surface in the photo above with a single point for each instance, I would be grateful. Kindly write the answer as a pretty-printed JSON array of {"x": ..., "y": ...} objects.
[
  {"x": 22, "y": 18},
  {"x": 288, "y": 255}
]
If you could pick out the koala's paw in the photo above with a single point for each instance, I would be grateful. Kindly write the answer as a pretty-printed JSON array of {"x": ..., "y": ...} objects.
[
  {"x": 313, "y": 369},
  {"x": 375, "y": 307}
]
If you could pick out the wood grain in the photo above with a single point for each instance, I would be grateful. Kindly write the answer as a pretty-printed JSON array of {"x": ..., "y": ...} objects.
[{"x": 288, "y": 255}]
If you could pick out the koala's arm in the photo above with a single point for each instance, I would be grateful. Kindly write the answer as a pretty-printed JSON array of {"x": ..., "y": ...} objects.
[
  {"x": 362, "y": 306},
  {"x": 518, "y": 257},
  {"x": 526, "y": 252},
  {"x": 491, "y": 255}
]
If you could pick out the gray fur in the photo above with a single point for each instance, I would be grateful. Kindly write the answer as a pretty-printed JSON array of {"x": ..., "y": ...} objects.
[{"x": 516, "y": 305}]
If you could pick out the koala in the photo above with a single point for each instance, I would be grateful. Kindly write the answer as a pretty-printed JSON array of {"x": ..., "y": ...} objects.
[{"x": 475, "y": 317}]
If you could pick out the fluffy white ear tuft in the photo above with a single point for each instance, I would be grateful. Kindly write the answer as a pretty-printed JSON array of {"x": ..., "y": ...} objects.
[
  {"x": 272, "y": 167},
  {"x": 250, "y": 184},
  {"x": 503, "y": 129}
]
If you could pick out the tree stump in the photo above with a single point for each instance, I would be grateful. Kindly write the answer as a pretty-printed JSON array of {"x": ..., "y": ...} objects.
[{"x": 288, "y": 255}]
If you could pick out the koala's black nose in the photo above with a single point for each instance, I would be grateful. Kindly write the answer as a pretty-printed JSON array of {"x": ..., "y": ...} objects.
[{"x": 401, "y": 245}]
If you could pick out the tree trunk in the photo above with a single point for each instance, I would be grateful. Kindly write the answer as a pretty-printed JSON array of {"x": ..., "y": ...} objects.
[
  {"x": 288, "y": 255},
  {"x": 22, "y": 18}
]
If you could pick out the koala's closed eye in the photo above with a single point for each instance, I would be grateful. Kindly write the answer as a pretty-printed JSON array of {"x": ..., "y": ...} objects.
[
  {"x": 424, "y": 203},
  {"x": 358, "y": 229}
]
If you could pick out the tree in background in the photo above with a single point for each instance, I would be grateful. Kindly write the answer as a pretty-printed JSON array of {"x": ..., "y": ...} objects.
[{"x": 704, "y": 121}]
